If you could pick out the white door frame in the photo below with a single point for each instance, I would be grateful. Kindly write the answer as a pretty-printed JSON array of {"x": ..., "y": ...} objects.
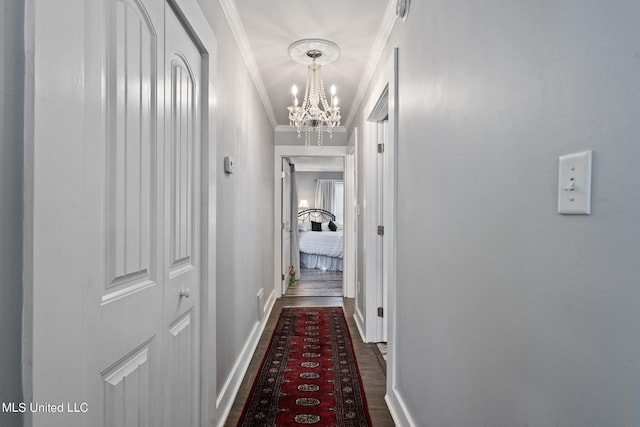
[
  {"x": 286, "y": 228},
  {"x": 281, "y": 151},
  {"x": 351, "y": 216}
]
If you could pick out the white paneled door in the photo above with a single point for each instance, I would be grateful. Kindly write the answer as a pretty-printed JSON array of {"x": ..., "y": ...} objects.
[
  {"x": 114, "y": 243},
  {"x": 182, "y": 225}
]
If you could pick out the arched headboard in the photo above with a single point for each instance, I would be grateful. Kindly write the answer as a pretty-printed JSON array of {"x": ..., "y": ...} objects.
[{"x": 318, "y": 215}]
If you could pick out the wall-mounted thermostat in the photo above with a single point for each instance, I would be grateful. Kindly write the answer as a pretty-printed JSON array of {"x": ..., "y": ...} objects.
[{"x": 229, "y": 165}]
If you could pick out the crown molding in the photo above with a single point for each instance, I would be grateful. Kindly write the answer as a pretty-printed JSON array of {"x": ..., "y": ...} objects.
[
  {"x": 231, "y": 13},
  {"x": 287, "y": 128},
  {"x": 386, "y": 26}
]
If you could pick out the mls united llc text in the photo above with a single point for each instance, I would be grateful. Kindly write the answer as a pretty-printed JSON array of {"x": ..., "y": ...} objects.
[{"x": 35, "y": 407}]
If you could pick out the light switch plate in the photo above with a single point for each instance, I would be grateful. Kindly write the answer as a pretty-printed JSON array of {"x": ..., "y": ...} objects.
[
  {"x": 229, "y": 165},
  {"x": 574, "y": 184}
]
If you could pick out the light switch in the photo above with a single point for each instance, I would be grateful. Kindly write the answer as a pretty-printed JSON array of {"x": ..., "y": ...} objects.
[
  {"x": 574, "y": 184},
  {"x": 229, "y": 165}
]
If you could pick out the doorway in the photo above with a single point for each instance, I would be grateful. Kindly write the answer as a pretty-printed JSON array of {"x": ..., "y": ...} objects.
[
  {"x": 317, "y": 196},
  {"x": 339, "y": 154},
  {"x": 381, "y": 146}
]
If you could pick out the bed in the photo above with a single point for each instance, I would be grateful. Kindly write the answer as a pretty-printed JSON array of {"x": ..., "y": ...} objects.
[{"x": 321, "y": 240}]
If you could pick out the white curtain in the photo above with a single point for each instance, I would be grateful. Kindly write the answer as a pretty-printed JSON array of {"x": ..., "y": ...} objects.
[
  {"x": 325, "y": 191},
  {"x": 338, "y": 202},
  {"x": 295, "y": 238}
]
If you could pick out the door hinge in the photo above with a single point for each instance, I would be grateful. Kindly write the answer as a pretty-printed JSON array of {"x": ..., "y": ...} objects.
[
  {"x": 381, "y": 230},
  {"x": 380, "y": 312},
  {"x": 282, "y": 226},
  {"x": 282, "y": 276},
  {"x": 282, "y": 175},
  {"x": 380, "y": 148}
]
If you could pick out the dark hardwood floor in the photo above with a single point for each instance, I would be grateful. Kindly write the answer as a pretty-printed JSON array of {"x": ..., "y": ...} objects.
[
  {"x": 316, "y": 283},
  {"x": 373, "y": 378}
]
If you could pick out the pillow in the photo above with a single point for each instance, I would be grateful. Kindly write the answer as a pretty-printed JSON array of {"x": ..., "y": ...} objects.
[
  {"x": 316, "y": 226},
  {"x": 332, "y": 226},
  {"x": 304, "y": 226}
]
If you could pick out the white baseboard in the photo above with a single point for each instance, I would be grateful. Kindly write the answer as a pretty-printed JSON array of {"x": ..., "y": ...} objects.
[
  {"x": 268, "y": 307},
  {"x": 230, "y": 389},
  {"x": 398, "y": 409},
  {"x": 357, "y": 316}
]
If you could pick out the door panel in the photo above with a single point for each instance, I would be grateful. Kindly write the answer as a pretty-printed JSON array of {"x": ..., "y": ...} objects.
[
  {"x": 131, "y": 147},
  {"x": 182, "y": 163},
  {"x": 127, "y": 392},
  {"x": 181, "y": 394}
]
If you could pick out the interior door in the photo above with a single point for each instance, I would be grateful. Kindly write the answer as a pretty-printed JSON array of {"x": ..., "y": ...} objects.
[
  {"x": 182, "y": 236},
  {"x": 385, "y": 241},
  {"x": 112, "y": 216},
  {"x": 286, "y": 223},
  {"x": 126, "y": 355},
  {"x": 380, "y": 247}
]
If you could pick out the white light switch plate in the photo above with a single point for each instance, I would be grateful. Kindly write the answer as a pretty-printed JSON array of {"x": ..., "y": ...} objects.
[
  {"x": 229, "y": 165},
  {"x": 574, "y": 184}
]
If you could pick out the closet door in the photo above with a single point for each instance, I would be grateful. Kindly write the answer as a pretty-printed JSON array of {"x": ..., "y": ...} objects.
[
  {"x": 182, "y": 232},
  {"x": 127, "y": 352},
  {"x": 112, "y": 223}
]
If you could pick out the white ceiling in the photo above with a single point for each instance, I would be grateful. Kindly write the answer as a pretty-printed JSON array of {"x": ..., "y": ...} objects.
[{"x": 264, "y": 30}]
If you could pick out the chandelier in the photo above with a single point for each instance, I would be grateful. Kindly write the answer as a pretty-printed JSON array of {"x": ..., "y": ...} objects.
[{"x": 315, "y": 114}]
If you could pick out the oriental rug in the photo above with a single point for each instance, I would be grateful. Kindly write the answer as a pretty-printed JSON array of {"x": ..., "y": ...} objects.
[{"x": 309, "y": 374}]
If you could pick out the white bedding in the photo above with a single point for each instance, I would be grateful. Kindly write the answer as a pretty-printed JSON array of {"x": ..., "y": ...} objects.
[
  {"x": 320, "y": 262},
  {"x": 327, "y": 243}
]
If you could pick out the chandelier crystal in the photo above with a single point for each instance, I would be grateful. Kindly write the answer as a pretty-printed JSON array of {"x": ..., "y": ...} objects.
[{"x": 315, "y": 114}]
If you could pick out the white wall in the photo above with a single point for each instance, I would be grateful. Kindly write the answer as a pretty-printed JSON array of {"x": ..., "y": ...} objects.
[
  {"x": 244, "y": 203},
  {"x": 508, "y": 313},
  {"x": 11, "y": 208}
]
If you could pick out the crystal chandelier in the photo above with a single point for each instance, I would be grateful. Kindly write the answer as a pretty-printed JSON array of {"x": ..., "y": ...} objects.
[{"x": 316, "y": 114}]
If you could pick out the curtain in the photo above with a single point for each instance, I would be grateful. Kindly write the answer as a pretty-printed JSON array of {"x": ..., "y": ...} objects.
[
  {"x": 295, "y": 245},
  {"x": 325, "y": 191}
]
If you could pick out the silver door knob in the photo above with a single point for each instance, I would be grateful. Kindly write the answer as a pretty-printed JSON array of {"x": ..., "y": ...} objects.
[{"x": 185, "y": 293}]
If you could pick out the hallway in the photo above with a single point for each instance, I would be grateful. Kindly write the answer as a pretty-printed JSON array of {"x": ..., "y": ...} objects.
[
  {"x": 372, "y": 375},
  {"x": 137, "y": 244},
  {"x": 316, "y": 283}
]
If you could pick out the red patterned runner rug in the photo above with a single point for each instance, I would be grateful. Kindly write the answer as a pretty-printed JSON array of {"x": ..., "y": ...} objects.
[{"x": 309, "y": 375}]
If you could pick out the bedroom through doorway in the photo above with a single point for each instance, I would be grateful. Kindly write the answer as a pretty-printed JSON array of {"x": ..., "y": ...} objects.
[{"x": 316, "y": 226}]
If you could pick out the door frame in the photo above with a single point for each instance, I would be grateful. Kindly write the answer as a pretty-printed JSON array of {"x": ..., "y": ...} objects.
[
  {"x": 382, "y": 287},
  {"x": 286, "y": 282},
  {"x": 281, "y": 151}
]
